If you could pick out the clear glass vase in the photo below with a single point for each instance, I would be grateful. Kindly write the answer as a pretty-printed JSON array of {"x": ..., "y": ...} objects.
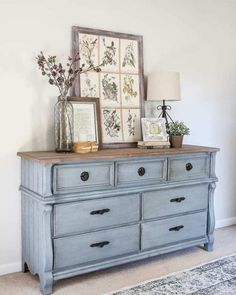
[{"x": 63, "y": 117}]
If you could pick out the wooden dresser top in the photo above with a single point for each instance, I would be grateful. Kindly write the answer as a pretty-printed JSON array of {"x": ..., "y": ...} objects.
[{"x": 110, "y": 154}]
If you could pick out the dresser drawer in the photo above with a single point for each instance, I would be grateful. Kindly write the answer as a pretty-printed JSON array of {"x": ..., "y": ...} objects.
[
  {"x": 87, "y": 176},
  {"x": 88, "y": 215},
  {"x": 174, "y": 201},
  {"x": 189, "y": 167},
  {"x": 173, "y": 230},
  {"x": 91, "y": 247},
  {"x": 141, "y": 171}
]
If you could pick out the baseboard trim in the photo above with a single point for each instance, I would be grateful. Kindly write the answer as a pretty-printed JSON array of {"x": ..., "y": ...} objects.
[
  {"x": 10, "y": 268},
  {"x": 225, "y": 222}
]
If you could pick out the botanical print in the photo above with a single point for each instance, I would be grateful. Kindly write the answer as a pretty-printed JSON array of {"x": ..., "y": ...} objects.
[
  {"x": 88, "y": 48},
  {"x": 110, "y": 90},
  {"x": 109, "y": 54},
  {"x": 111, "y": 121},
  {"x": 131, "y": 125},
  {"x": 117, "y": 84},
  {"x": 130, "y": 90},
  {"x": 129, "y": 56},
  {"x": 89, "y": 85}
]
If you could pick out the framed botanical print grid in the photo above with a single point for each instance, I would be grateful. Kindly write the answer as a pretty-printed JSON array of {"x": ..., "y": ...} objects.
[{"x": 119, "y": 85}]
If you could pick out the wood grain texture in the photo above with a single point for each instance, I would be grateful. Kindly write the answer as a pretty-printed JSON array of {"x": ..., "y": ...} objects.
[
  {"x": 82, "y": 269},
  {"x": 157, "y": 233},
  {"x": 36, "y": 176},
  {"x": 210, "y": 219},
  {"x": 110, "y": 154},
  {"x": 121, "y": 241},
  {"x": 67, "y": 177},
  {"x": 58, "y": 227},
  {"x": 199, "y": 162},
  {"x": 37, "y": 253},
  {"x": 77, "y": 217},
  {"x": 127, "y": 172},
  {"x": 194, "y": 197},
  {"x": 213, "y": 164}
]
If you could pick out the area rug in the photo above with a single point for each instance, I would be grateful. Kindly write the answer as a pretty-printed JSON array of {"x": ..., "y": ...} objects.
[{"x": 215, "y": 278}]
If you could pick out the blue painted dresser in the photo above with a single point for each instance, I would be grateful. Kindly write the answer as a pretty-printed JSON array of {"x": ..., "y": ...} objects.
[{"x": 85, "y": 212}]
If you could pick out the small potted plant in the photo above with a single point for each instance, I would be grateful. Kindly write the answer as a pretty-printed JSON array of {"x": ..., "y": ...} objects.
[{"x": 177, "y": 130}]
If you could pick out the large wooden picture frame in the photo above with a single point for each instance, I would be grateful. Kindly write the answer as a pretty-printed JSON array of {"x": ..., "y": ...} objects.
[{"x": 119, "y": 85}]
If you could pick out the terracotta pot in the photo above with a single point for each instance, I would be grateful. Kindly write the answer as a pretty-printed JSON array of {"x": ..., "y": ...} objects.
[{"x": 176, "y": 141}]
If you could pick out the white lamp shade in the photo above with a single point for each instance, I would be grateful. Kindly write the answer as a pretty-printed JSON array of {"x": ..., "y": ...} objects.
[{"x": 163, "y": 86}]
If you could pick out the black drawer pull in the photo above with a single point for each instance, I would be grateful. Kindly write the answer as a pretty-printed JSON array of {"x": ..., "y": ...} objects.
[
  {"x": 178, "y": 200},
  {"x": 189, "y": 166},
  {"x": 84, "y": 176},
  {"x": 141, "y": 171},
  {"x": 176, "y": 228},
  {"x": 100, "y": 245},
  {"x": 99, "y": 212}
]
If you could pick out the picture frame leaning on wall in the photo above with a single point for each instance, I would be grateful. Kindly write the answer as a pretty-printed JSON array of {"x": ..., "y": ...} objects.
[
  {"x": 86, "y": 119},
  {"x": 119, "y": 85}
]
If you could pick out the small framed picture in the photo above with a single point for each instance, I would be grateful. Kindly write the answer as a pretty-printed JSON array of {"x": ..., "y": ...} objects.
[
  {"x": 87, "y": 123},
  {"x": 154, "y": 129}
]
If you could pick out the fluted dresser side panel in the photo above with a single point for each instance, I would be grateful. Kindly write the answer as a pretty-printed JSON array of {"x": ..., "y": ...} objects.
[{"x": 36, "y": 177}]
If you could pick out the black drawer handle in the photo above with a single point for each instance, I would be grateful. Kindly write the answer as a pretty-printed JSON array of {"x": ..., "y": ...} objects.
[
  {"x": 189, "y": 166},
  {"x": 176, "y": 228},
  {"x": 99, "y": 212},
  {"x": 84, "y": 176},
  {"x": 141, "y": 171},
  {"x": 100, "y": 245},
  {"x": 178, "y": 200}
]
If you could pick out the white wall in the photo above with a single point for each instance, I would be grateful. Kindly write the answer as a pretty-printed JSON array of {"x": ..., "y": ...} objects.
[{"x": 194, "y": 37}]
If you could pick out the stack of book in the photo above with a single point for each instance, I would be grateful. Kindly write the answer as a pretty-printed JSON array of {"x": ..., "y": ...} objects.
[{"x": 154, "y": 144}]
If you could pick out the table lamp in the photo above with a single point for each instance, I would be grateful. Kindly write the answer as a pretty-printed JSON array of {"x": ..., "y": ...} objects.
[{"x": 163, "y": 86}]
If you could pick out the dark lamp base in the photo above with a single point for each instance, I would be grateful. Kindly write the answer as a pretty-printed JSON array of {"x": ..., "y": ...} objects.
[{"x": 164, "y": 114}]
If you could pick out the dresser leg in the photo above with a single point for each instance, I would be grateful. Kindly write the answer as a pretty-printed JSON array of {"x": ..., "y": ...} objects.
[
  {"x": 209, "y": 246},
  {"x": 24, "y": 267},
  {"x": 210, "y": 219},
  {"x": 46, "y": 283}
]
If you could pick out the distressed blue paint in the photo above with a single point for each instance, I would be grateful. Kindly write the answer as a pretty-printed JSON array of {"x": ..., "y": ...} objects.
[{"x": 58, "y": 227}]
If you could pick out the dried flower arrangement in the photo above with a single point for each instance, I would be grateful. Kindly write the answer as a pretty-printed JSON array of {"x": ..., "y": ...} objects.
[{"x": 62, "y": 77}]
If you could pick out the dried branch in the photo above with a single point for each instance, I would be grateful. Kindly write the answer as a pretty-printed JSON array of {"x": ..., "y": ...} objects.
[{"x": 63, "y": 78}]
